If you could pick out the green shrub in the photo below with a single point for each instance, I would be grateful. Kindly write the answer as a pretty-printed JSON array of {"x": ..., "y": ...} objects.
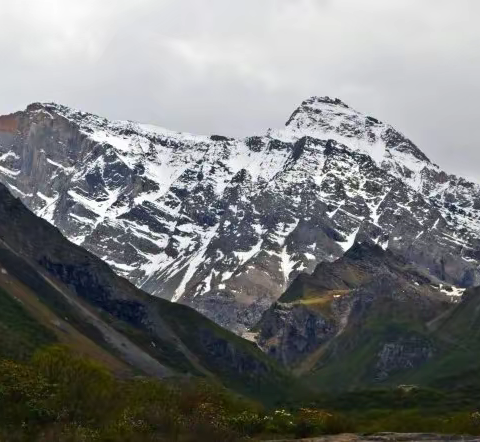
[
  {"x": 462, "y": 423},
  {"x": 24, "y": 394},
  {"x": 312, "y": 422},
  {"x": 248, "y": 423},
  {"x": 84, "y": 390}
]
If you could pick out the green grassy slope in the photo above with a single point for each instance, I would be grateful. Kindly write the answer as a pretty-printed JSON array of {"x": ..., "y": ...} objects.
[
  {"x": 458, "y": 365},
  {"x": 20, "y": 333},
  {"x": 352, "y": 360}
]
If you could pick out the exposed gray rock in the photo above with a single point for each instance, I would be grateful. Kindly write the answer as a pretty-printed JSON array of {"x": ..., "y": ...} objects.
[
  {"x": 290, "y": 332},
  {"x": 403, "y": 354}
]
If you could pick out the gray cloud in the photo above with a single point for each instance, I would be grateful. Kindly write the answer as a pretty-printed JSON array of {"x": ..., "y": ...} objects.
[{"x": 239, "y": 67}]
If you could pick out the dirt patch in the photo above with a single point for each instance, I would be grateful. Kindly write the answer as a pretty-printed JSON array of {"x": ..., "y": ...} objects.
[{"x": 9, "y": 124}]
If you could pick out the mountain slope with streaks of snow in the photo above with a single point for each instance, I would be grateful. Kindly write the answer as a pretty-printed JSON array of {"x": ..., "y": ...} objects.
[{"x": 225, "y": 224}]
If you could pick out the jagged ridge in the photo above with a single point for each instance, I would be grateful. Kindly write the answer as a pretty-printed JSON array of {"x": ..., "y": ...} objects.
[{"x": 225, "y": 225}]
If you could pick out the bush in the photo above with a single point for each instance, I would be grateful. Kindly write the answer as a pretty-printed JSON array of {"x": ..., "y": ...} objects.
[
  {"x": 84, "y": 390},
  {"x": 312, "y": 422},
  {"x": 462, "y": 423},
  {"x": 248, "y": 423},
  {"x": 23, "y": 396}
]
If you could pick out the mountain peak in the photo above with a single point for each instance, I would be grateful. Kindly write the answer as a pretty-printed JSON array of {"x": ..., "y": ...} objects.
[
  {"x": 317, "y": 110},
  {"x": 315, "y": 105},
  {"x": 61, "y": 110},
  {"x": 330, "y": 118},
  {"x": 49, "y": 106},
  {"x": 316, "y": 100}
]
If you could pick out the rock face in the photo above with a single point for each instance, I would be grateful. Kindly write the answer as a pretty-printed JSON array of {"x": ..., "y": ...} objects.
[
  {"x": 225, "y": 225},
  {"x": 292, "y": 331},
  {"x": 401, "y": 355},
  {"x": 371, "y": 304}
]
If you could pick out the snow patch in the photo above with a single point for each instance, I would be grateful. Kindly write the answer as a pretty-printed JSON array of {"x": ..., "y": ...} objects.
[
  {"x": 348, "y": 243},
  {"x": 287, "y": 263}
]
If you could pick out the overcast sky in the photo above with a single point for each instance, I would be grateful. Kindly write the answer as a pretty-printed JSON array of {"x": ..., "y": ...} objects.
[{"x": 237, "y": 67}]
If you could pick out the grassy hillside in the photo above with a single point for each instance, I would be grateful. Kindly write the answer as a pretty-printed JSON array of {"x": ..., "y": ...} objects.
[
  {"x": 20, "y": 333},
  {"x": 382, "y": 343}
]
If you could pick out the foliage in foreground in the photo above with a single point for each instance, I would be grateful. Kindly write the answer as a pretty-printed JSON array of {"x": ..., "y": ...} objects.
[{"x": 60, "y": 396}]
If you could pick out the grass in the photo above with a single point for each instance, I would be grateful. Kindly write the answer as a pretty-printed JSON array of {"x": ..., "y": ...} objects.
[
  {"x": 349, "y": 362},
  {"x": 20, "y": 333}
]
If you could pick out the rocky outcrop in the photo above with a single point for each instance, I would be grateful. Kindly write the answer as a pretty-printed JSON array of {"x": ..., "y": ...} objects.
[
  {"x": 406, "y": 353},
  {"x": 367, "y": 314},
  {"x": 289, "y": 332}
]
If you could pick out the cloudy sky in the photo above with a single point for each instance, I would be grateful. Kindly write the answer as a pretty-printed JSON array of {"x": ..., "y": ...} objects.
[{"x": 237, "y": 67}]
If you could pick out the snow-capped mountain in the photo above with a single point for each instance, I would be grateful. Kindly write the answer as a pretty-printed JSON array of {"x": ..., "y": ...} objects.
[{"x": 225, "y": 224}]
